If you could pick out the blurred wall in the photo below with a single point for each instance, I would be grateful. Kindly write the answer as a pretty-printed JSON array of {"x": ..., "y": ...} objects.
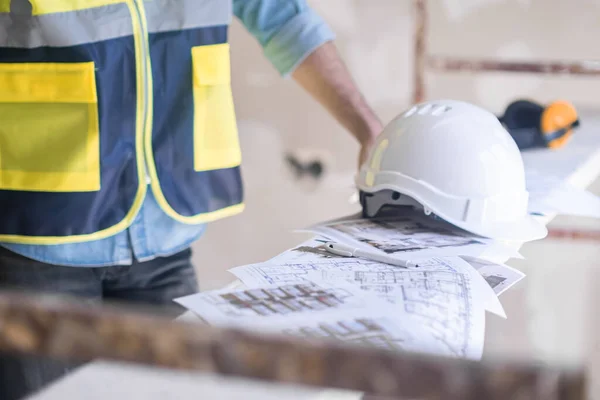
[{"x": 552, "y": 312}]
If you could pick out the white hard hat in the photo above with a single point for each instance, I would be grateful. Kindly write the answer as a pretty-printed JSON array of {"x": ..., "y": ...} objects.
[{"x": 454, "y": 160}]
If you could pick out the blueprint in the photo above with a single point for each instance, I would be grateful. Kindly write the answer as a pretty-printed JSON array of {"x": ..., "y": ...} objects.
[
  {"x": 271, "y": 301},
  {"x": 313, "y": 252},
  {"x": 279, "y": 304},
  {"x": 442, "y": 295},
  {"x": 408, "y": 236},
  {"x": 376, "y": 331},
  {"x": 309, "y": 310},
  {"x": 500, "y": 277}
]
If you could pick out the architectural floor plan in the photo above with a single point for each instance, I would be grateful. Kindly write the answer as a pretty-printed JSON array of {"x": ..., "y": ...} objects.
[
  {"x": 407, "y": 237},
  {"x": 440, "y": 296},
  {"x": 272, "y": 304},
  {"x": 500, "y": 277},
  {"x": 382, "y": 332}
]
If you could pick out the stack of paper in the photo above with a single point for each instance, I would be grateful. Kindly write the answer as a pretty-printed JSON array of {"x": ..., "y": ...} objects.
[
  {"x": 315, "y": 310},
  {"x": 438, "y": 307},
  {"x": 410, "y": 235}
]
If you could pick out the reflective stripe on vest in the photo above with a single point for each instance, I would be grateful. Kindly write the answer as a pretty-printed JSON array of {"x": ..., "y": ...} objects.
[{"x": 104, "y": 96}]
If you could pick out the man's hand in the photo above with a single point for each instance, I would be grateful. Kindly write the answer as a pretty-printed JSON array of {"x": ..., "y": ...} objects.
[
  {"x": 365, "y": 149},
  {"x": 324, "y": 75}
]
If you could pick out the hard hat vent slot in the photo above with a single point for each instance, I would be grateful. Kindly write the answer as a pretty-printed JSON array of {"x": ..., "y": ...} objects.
[
  {"x": 439, "y": 110},
  {"x": 425, "y": 109},
  {"x": 410, "y": 112},
  {"x": 395, "y": 195}
]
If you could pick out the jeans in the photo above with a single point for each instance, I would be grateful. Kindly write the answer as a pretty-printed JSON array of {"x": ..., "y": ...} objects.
[{"x": 152, "y": 283}]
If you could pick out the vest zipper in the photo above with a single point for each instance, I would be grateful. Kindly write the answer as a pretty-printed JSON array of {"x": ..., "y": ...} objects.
[{"x": 145, "y": 56}]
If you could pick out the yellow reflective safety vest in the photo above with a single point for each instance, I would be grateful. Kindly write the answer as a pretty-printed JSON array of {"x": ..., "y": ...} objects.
[{"x": 102, "y": 100}]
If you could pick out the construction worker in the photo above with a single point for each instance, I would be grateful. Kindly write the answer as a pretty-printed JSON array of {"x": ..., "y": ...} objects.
[{"x": 118, "y": 141}]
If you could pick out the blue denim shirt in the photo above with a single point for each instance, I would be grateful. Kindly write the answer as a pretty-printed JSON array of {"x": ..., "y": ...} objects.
[{"x": 288, "y": 30}]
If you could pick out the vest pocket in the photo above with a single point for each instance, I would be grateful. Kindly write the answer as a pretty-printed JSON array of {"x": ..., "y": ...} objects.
[
  {"x": 49, "y": 129},
  {"x": 216, "y": 142}
]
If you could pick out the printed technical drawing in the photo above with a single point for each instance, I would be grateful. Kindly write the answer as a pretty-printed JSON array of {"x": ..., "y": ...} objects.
[
  {"x": 439, "y": 296},
  {"x": 380, "y": 332},
  {"x": 401, "y": 235}
]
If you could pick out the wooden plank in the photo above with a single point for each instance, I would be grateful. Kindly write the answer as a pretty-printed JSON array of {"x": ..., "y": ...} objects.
[
  {"x": 69, "y": 329},
  {"x": 447, "y": 64},
  {"x": 423, "y": 60},
  {"x": 574, "y": 234},
  {"x": 420, "y": 38}
]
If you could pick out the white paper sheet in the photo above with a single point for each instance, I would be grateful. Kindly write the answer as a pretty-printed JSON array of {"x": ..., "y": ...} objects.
[
  {"x": 276, "y": 303},
  {"x": 446, "y": 296},
  {"x": 305, "y": 309},
  {"x": 373, "y": 330},
  {"x": 482, "y": 292},
  {"x": 409, "y": 236},
  {"x": 500, "y": 277},
  {"x": 312, "y": 254},
  {"x": 549, "y": 195}
]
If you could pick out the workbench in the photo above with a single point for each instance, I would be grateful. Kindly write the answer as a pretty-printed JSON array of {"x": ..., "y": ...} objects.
[{"x": 577, "y": 164}]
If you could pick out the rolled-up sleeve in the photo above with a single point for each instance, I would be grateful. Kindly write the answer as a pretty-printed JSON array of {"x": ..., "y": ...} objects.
[{"x": 288, "y": 30}]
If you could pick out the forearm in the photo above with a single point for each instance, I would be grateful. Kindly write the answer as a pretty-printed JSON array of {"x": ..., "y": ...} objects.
[{"x": 325, "y": 77}]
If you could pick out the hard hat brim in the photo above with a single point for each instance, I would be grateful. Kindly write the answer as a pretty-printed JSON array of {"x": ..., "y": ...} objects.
[{"x": 526, "y": 229}]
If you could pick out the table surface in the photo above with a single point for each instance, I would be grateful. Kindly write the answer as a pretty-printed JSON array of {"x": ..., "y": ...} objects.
[{"x": 577, "y": 164}]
